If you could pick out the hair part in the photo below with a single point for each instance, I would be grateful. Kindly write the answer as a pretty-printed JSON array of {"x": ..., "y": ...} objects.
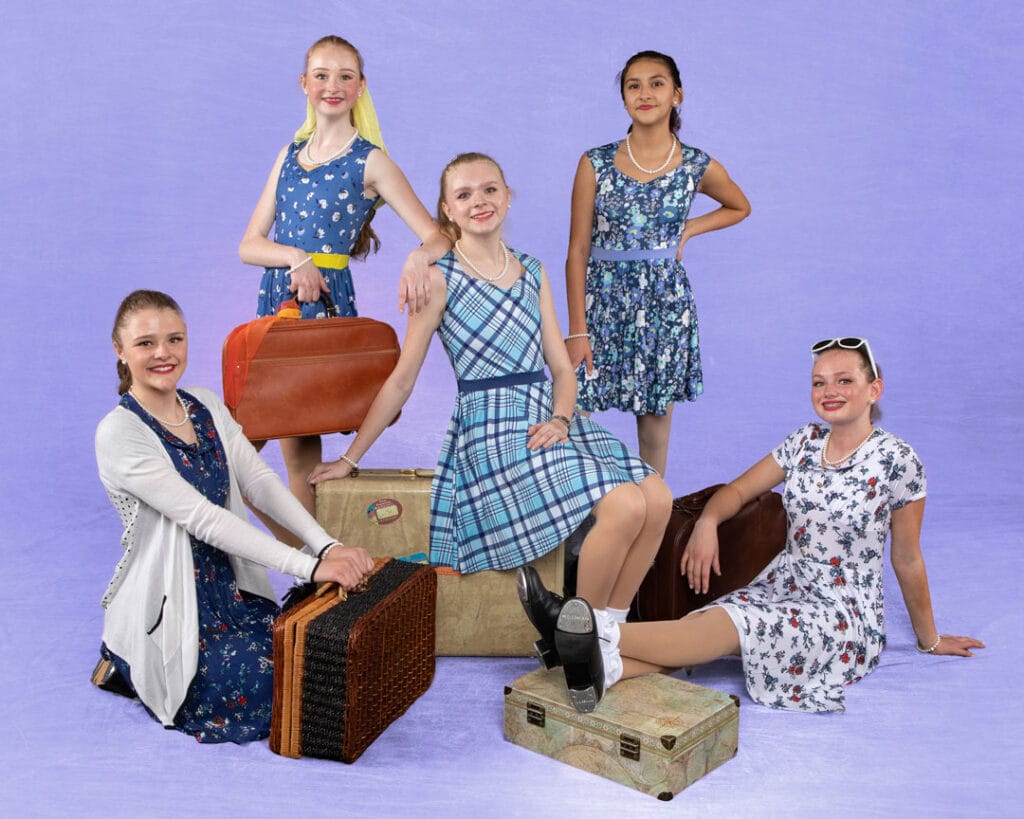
[
  {"x": 674, "y": 121},
  {"x": 447, "y": 227},
  {"x": 132, "y": 304}
]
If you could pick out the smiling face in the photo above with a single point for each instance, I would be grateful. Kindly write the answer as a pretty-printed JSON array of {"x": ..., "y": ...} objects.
[
  {"x": 475, "y": 197},
  {"x": 154, "y": 345},
  {"x": 333, "y": 79},
  {"x": 649, "y": 92},
  {"x": 842, "y": 389}
]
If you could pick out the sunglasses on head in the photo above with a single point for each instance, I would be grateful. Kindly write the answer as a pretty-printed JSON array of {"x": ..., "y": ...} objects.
[{"x": 847, "y": 343}]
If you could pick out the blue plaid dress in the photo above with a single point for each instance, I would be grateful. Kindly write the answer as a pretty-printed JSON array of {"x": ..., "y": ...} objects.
[{"x": 494, "y": 503}]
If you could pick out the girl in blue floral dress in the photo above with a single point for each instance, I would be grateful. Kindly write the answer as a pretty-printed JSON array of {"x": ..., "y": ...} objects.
[
  {"x": 320, "y": 198},
  {"x": 518, "y": 471},
  {"x": 632, "y": 320},
  {"x": 812, "y": 622},
  {"x": 188, "y": 613}
]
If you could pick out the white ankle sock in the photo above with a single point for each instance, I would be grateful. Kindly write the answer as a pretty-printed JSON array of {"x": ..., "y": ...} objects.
[
  {"x": 608, "y": 635},
  {"x": 618, "y": 615}
]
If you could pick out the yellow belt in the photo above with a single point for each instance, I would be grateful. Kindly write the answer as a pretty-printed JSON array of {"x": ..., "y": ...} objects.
[{"x": 332, "y": 261}]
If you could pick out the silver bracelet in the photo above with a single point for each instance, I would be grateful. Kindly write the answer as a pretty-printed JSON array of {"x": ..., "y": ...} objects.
[
  {"x": 931, "y": 648},
  {"x": 349, "y": 461},
  {"x": 577, "y": 335},
  {"x": 295, "y": 267}
]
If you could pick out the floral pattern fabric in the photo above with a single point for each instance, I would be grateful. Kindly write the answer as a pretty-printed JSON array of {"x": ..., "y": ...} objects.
[
  {"x": 641, "y": 315},
  {"x": 321, "y": 211},
  {"x": 813, "y": 622},
  {"x": 230, "y": 698}
]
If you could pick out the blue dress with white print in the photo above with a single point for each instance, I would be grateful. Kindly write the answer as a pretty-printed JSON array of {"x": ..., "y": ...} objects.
[
  {"x": 230, "y": 697},
  {"x": 813, "y": 622},
  {"x": 321, "y": 210}
]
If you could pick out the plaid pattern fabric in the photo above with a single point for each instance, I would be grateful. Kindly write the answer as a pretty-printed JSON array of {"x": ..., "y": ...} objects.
[{"x": 494, "y": 503}]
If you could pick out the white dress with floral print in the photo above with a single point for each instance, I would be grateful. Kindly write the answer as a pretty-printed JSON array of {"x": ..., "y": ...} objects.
[{"x": 812, "y": 622}]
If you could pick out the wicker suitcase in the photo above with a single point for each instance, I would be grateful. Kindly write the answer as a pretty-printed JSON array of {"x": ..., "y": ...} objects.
[
  {"x": 654, "y": 733},
  {"x": 387, "y": 512},
  {"x": 747, "y": 542},
  {"x": 345, "y": 669}
]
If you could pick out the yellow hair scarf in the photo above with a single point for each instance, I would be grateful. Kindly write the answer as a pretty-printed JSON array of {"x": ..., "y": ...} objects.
[{"x": 364, "y": 117}]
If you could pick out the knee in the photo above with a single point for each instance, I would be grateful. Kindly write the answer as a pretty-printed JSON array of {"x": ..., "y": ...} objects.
[
  {"x": 657, "y": 499},
  {"x": 624, "y": 508}
]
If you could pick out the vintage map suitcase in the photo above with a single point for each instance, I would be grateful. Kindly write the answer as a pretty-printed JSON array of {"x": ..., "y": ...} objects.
[
  {"x": 345, "y": 669},
  {"x": 387, "y": 512},
  {"x": 655, "y": 733}
]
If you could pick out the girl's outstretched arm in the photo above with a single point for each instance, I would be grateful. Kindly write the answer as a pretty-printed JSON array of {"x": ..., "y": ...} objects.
[
  {"x": 384, "y": 177},
  {"x": 397, "y": 388}
]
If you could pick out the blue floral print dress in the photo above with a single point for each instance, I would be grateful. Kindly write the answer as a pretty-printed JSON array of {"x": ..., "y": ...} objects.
[
  {"x": 321, "y": 211},
  {"x": 640, "y": 311},
  {"x": 494, "y": 504},
  {"x": 813, "y": 622},
  {"x": 231, "y": 695}
]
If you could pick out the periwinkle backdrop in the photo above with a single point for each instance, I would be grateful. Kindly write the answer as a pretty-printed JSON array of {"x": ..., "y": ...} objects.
[{"x": 878, "y": 144}]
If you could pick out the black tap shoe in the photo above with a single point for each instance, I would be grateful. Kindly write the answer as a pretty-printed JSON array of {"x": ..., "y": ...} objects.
[
  {"x": 542, "y": 607},
  {"x": 580, "y": 651}
]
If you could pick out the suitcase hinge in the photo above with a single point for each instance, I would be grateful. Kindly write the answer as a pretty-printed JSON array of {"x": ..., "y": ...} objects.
[
  {"x": 535, "y": 714},
  {"x": 629, "y": 747}
]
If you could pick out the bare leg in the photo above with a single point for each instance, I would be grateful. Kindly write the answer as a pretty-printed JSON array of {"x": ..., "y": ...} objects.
[
  {"x": 618, "y": 519},
  {"x": 658, "y": 502},
  {"x": 668, "y": 644},
  {"x": 652, "y": 432},
  {"x": 300, "y": 456}
]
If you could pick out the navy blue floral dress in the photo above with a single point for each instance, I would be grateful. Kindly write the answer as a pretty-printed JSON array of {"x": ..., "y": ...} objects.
[
  {"x": 320, "y": 210},
  {"x": 813, "y": 621},
  {"x": 231, "y": 695},
  {"x": 640, "y": 311}
]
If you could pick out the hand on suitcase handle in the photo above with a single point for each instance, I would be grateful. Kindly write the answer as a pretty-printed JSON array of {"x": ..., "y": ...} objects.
[
  {"x": 700, "y": 556},
  {"x": 345, "y": 565},
  {"x": 307, "y": 282}
]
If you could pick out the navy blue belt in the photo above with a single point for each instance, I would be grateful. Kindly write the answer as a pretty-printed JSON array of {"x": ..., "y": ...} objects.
[
  {"x": 639, "y": 254},
  {"x": 511, "y": 380}
]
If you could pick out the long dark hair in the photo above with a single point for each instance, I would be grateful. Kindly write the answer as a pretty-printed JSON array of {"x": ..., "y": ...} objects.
[
  {"x": 133, "y": 302},
  {"x": 675, "y": 121}
]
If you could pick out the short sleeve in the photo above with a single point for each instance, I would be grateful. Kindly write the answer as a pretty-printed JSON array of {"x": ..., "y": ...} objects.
[
  {"x": 906, "y": 476},
  {"x": 794, "y": 447}
]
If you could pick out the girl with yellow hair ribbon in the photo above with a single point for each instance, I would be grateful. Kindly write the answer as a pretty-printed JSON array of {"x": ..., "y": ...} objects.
[{"x": 320, "y": 198}]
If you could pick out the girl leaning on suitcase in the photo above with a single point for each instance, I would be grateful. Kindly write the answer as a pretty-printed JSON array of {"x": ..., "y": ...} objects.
[
  {"x": 812, "y": 622},
  {"x": 518, "y": 471},
  {"x": 188, "y": 612}
]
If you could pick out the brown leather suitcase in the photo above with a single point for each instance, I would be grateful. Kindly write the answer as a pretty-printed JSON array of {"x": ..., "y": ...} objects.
[
  {"x": 747, "y": 542},
  {"x": 345, "y": 669},
  {"x": 287, "y": 377}
]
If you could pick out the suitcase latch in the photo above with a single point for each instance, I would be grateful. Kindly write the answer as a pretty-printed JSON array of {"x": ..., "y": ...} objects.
[
  {"x": 629, "y": 747},
  {"x": 535, "y": 714}
]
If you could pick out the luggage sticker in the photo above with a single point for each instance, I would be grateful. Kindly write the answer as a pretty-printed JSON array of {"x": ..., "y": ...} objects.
[{"x": 384, "y": 511}]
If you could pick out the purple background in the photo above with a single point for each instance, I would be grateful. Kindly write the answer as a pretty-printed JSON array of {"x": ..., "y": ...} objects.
[{"x": 879, "y": 148}]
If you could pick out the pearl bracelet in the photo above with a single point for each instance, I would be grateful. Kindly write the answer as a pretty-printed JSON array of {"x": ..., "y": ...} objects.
[
  {"x": 349, "y": 461},
  {"x": 931, "y": 648},
  {"x": 577, "y": 335},
  {"x": 295, "y": 267}
]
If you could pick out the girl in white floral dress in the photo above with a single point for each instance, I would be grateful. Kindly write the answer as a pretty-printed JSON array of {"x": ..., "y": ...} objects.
[{"x": 812, "y": 622}]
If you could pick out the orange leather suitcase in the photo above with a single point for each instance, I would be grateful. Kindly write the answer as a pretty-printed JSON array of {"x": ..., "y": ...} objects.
[{"x": 287, "y": 377}]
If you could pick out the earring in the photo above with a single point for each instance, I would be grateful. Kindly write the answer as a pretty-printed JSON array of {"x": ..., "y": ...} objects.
[{"x": 124, "y": 361}]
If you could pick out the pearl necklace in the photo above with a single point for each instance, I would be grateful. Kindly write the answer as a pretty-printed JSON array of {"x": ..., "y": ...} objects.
[
  {"x": 826, "y": 462},
  {"x": 181, "y": 403},
  {"x": 345, "y": 147},
  {"x": 661, "y": 167},
  {"x": 476, "y": 270}
]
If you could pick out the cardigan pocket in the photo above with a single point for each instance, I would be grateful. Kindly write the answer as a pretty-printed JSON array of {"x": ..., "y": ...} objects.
[{"x": 159, "y": 619}]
